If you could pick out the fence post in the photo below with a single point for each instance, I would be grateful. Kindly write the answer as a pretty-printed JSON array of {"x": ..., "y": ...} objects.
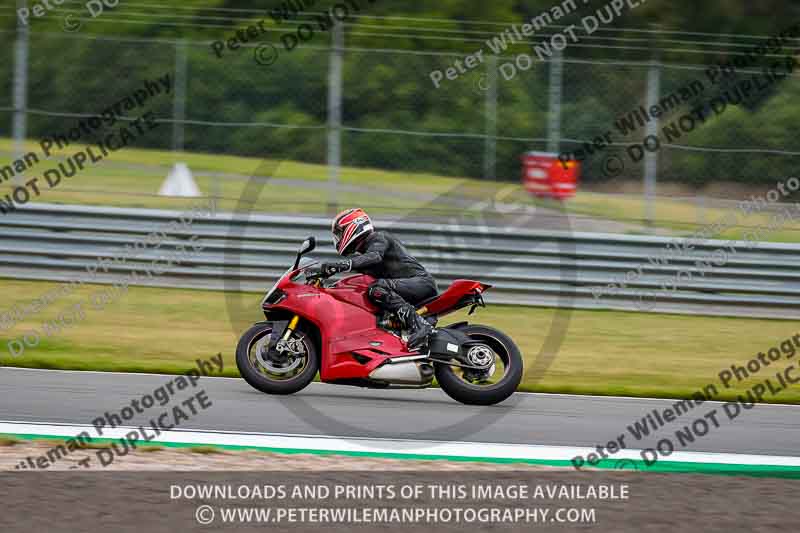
[
  {"x": 490, "y": 142},
  {"x": 20, "y": 103},
  {"x": 179, "y": 113},
  {"x": 335, "y": 114},
  {"x": 556, "y": 88},
  {"x": 179, "y": 98},
  {"x": 651, "y": 156}
]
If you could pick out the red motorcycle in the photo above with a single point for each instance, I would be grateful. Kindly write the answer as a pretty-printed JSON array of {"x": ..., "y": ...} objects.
[{"x": 334, "y": 329}]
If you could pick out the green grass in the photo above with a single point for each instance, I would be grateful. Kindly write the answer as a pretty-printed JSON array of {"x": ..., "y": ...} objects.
[
  {"x": 603, "y": 352},
  {"x": 133, "y": 177},
  {"x": 681, "y": 217}
]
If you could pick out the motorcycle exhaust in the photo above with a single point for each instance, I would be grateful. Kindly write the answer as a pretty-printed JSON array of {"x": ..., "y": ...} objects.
[{"x": 406, "y": 373}]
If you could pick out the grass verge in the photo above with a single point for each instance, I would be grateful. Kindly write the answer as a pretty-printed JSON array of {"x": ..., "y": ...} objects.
[
  {"x": 603, "y": 352},
  {"x": 132, "y": 178}
]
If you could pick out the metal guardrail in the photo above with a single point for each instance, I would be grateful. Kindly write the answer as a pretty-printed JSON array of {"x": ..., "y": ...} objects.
[{"x": 526, "y": 267}]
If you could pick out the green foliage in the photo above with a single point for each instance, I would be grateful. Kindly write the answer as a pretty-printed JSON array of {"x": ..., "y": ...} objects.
[{"x": 392, "y": 90}]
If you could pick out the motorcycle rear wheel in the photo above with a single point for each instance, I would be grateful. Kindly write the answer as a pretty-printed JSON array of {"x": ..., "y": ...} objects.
[
  {"x": 458, "y": 388},
  {"x": 259, "y": 377}
]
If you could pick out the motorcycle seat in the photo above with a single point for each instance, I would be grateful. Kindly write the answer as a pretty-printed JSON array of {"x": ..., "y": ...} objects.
[{"x": 454, "y": 295}]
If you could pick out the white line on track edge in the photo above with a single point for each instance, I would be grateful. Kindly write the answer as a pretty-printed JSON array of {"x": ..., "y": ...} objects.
[{"x": 384, "y": 446}]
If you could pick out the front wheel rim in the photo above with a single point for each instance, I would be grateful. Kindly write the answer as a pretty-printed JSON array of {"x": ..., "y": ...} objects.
[{"x": 294, "y": 364}]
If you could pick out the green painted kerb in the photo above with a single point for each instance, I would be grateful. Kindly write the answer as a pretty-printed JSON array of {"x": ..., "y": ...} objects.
[{"x": 628, "y": 465}]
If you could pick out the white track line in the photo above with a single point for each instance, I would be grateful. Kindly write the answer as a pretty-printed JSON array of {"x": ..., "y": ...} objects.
[{"x": 409, "y": 448}]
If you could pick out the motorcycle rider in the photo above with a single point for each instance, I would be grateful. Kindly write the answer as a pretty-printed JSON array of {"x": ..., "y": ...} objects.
[{"x": 401, "y": 280}]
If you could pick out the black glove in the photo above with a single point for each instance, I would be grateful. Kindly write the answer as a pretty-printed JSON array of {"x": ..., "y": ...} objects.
[{"x": 329, "y": 269}]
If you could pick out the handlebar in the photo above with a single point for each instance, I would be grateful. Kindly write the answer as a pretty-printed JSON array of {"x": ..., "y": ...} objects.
[{"x": 315, "y": 274}]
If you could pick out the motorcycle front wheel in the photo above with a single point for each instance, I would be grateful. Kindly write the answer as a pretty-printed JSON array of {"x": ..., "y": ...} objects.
[
  {"x": 483, "y": 387},
  {"x": 284, "y": 373}
]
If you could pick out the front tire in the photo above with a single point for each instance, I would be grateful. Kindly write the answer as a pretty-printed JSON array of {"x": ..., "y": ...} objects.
[
  {"x": 459, "y": 389},
  {"x": 259, "y": 376}
]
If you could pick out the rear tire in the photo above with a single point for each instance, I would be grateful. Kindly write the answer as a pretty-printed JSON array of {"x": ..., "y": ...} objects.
[
  {"x": 257, "y": 378},
  {"x": 470, "y": 394}
]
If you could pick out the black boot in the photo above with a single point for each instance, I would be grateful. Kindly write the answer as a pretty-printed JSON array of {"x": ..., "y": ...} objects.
[{"x": 419, "y": 329}]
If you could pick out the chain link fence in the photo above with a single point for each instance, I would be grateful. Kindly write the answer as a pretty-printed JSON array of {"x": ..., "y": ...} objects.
[{"x": 393, "y": 118}]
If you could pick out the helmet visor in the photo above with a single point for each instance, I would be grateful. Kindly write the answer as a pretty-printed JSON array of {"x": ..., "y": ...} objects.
[{"x": 337, "y": 235}]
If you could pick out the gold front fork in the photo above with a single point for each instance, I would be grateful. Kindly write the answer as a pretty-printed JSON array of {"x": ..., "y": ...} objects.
[{"x": 290, "y": 327}]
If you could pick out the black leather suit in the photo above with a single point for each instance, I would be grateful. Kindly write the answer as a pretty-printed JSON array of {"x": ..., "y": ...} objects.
[{"x": 401, "y": 279}]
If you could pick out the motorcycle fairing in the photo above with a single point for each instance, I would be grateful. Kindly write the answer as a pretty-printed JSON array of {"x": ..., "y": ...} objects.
[{"x": 352, "y": 344}]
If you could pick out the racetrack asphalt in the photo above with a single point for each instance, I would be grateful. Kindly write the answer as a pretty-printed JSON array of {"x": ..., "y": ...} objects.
[{"x": 67, "y": 397}]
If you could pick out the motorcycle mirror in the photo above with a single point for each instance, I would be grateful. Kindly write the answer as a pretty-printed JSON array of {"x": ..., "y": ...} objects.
[{"x": 308, "y": 245}]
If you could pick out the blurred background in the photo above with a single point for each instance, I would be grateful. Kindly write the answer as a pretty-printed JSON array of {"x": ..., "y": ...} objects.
[{"x": 375, "y": 70}]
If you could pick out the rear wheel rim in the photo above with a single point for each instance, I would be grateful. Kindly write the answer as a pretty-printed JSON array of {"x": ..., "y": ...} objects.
[{"x": 491, "y": 350}]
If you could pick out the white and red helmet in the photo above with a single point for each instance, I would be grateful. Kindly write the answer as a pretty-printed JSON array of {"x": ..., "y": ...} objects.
[{"x": 349, "y": 227}]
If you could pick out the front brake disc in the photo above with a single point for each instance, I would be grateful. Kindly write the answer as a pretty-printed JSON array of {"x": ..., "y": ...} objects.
[{"x": 274, "y": 367}]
